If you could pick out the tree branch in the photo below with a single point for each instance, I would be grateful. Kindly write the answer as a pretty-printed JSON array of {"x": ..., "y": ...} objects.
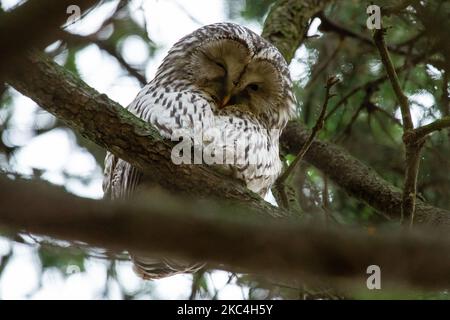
[
  {"x": 287, "y": 23},
  {"x": 374, "y": 83},
  {"x": 329, "y": 26},
  {"x": 317, "y": 127},
  {"x": 413, "y": 148},
  {"x": 423, "y": 131},
  {"x": 392, "y": 74},
  {"x": 228, "y": 238},
  {"x": 72, "y": 38},
  {"x": 35, "y": 21}
]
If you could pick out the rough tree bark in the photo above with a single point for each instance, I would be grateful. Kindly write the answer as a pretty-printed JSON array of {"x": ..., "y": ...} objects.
[{"x": 287, "y": 23}]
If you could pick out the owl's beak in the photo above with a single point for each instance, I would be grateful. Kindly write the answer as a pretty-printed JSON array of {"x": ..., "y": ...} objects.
[{"x": 225, "y": 101}]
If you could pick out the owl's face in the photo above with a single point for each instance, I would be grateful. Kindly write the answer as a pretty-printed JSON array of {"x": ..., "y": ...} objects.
[
  {"x": 228, "y": 72},
  {"x": 234, "y": 66}
]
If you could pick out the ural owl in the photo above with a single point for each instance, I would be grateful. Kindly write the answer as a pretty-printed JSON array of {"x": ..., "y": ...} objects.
[{"x": 221, "y": 76}]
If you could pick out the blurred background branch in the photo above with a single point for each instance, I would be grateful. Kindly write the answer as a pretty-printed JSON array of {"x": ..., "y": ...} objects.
[
  {"x": 26, "y": 27},
  {"x": 226, "y": 237}
]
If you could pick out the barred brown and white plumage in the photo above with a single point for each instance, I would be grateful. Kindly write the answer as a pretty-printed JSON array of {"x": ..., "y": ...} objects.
[{"x": 222, "y": 76}]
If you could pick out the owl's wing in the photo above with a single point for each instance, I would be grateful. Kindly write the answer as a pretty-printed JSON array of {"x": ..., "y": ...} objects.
[
  {"x": 167, "y": 111},
  {"x": 110, "y": 165}
]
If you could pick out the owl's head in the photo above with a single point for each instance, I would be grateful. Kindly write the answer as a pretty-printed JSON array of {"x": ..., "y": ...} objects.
[{"x": 234, "y": 66}]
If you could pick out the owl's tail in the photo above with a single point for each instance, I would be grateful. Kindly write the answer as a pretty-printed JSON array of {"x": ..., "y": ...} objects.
[{"x": 151, "y": 269}]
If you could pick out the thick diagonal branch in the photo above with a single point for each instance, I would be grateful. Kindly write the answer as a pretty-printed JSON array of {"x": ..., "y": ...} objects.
[{"x": 111, "y": 126}]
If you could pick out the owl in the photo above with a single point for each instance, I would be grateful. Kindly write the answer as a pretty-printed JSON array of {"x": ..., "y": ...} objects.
[{"x": 220, "y": 78}]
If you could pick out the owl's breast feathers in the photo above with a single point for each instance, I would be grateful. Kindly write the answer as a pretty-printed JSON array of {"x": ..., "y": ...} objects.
[{"x": 255, "y": 147}]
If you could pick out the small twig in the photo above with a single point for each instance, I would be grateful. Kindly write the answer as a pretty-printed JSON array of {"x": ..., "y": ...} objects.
[
  {"x": 348, "y": 128},
  {"x": 422, "y": 132},
  {"x": 386, "y": 114},
  {"x": 280, "y": 183},
  {"x": 384, "y": 128},
  {"x": 396, "y": 8},
  {"x": 326, "y": 202},
  {"x": 324, "y": 65},
  {"x": 317, "y": 127},
  {"x": 109, "y": 48},
  {"x": 392, "y": 75},
  {"x": 329, "y": 26},
  {"x": 374, "y": 83},
  {"x": 105, "y": 46},
  {"x": 365, "y": 104}
]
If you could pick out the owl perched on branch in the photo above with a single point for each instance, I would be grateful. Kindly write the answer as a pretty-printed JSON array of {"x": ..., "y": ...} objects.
[{"x": 225, "y": 77}]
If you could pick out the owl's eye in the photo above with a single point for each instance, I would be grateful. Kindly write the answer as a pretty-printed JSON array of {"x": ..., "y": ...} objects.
[
  {"x": 220, "y": 65},
  {"x": 253, "y": 87}
]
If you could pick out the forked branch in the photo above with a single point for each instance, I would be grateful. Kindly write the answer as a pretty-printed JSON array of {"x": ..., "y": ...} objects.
[{"x": 413, "y": 147}]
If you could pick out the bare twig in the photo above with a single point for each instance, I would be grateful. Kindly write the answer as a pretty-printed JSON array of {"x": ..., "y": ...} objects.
[
  {"x": 72, "y": 38},
  {"x": 422, "y": 132},
  {"x": 325, "y": 64},
  {"x": 25, "y": 27},
  {"x": 392, "y": 74},
  {"x": 396, "y": 8},
  {"x": 348, "y": 128},
  {"x": 386, "y": 114},
  {"x": 280, "y": 183},
  {"x": 329, "y": 26},
  {"x": 376, "y": 82}
]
